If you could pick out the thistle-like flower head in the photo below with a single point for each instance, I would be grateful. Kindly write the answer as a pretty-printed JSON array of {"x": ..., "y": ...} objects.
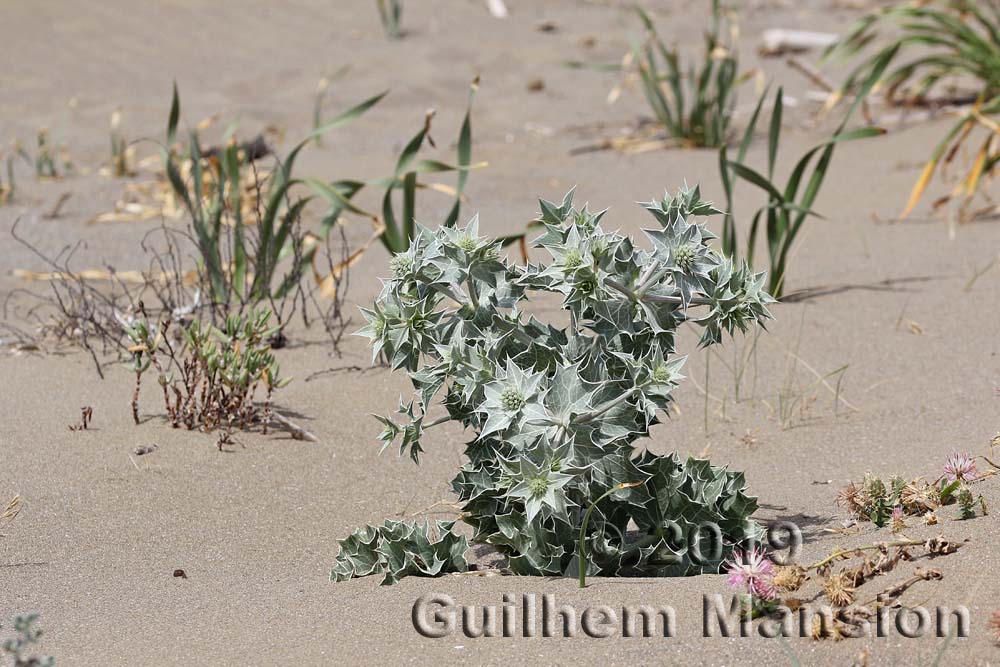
[
  {"x": 753, "y": 572},
  {"x": 961, "y": 466}
]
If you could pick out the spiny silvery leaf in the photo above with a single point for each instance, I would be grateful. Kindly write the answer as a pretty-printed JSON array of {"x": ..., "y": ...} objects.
[
  {"x": 686, "y": 203},
  {"x": 398, "y": 549}
]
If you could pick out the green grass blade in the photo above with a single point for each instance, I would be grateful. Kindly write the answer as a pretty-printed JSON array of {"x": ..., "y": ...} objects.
[
  {"x": 464, "y": 156},
  {"x": 231, "y": 165},
  {"x": 774, "y": 133},
  {"x": 391, "y": 238},
  {"x": 755, "y": 178},
  {"x": 346, "y": 116},
  {"x": 173, "y": 118},
  {"x": 409, "y": 205}
]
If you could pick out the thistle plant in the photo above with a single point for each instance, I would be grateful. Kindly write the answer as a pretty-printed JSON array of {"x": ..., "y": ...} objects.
[
  {"x": 398, "y": 549},
  {"x": 210, "y": 380},
  {"x": 557, "y": 411},
  {"x": 889, "y": 502}
]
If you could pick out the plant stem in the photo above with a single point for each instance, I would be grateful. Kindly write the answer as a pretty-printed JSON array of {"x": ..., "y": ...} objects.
[
  {"x": 472, "y": 293},
  {"x": 646, "y": 276},
  {"x": 841, "y": 552},
  {"x": 652, "y": 280},
  {"x": 448, "y": 292},
  {"x": 653, "y": 298},
  {"x": 582, "y": 549},
  {"x": 440, "y": 420},
  {"x": 600, "y": 410}
]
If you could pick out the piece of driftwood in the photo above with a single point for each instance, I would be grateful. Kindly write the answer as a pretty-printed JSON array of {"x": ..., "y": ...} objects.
[
  {"x": 296, "y": 431},
  {"x": 778, "y": 41}
]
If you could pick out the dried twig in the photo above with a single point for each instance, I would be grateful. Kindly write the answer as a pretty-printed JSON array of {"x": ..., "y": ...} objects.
[{"x": 296, "y": 431}]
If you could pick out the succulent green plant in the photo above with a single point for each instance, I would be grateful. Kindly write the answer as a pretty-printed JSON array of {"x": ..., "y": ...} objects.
[
  {"x": 398, "y": 549},
  {"x": 210, "y": 380},
  {"x": 557, "y": 411}
]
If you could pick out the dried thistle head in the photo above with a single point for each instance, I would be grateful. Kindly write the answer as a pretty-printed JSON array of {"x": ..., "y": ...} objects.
[
  {"x": 853, "y": 498},
  {"x": 839, "y": 589},
  {"x": 789, "y": 577},
  {"x": 938, "y": 546},
  {"x": 822, "y": 630},
  {"x": 918, "y": 497}
]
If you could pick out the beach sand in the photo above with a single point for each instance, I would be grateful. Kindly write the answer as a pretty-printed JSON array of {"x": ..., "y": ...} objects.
[{"x": 102, "y": 530}]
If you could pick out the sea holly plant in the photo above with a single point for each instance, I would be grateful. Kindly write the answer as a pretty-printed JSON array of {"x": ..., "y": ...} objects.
[{"x": 555, "y": 468}]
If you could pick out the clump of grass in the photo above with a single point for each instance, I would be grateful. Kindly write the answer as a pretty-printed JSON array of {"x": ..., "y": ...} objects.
[
  {"x": 227, "y": 196},
  {"x": 694, "y": 105},
  {"x": 788, "y": 207},
  {"x": 210, "y": 379},
  {"x": 952, "y": 41},
  {"x": 390, "y": 13},
  {"x": 44, "y": 162}
]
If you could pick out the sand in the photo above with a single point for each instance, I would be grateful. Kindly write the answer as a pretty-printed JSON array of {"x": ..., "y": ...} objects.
[{"x": 103, "y": 530}]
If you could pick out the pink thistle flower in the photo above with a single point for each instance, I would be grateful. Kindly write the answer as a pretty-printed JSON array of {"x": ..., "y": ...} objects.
[
  {"x": 961, "y": 466},
  {"x": 898, "y": 522},
  {"x": 752, "y": 571}
]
